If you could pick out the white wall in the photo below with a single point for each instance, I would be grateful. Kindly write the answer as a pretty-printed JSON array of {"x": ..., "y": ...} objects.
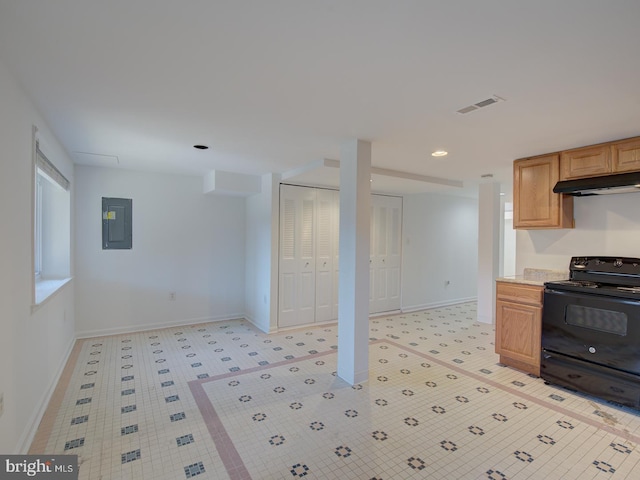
[
  {"x": 605, "y": 225},
  {"x": 490, "y": 245},
  {"x": 440, "y": 243},
  {"x": 183, "y": 241},
  {"x": 509, "y": 241},
  {"x": 33, "y": 346},
  {"x": 261, "y": 289}
]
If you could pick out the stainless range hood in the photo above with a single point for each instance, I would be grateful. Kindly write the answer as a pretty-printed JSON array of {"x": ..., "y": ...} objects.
[{"x": 608, "y": 184}]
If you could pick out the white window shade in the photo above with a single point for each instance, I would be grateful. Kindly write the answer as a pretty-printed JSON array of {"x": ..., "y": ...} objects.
[{"x": 49, "y": 169}]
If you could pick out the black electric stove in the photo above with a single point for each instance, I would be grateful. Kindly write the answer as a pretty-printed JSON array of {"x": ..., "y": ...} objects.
[{"x": 591, "y": 329}]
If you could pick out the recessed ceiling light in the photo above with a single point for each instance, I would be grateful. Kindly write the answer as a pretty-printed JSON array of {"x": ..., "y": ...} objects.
[
  {"x": 439, "y": 153},
  {"x": 201, "y": 147}
]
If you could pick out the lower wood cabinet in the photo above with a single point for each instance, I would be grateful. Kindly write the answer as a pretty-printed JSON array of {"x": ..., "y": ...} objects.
[{"x": 519, "y": 325}]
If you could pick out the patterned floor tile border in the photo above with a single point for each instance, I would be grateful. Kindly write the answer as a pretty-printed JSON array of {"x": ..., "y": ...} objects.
[
  {"x": 237, "y": 470},
  {"x": 41, "y": 437},
  {"x": 140, "y": 405},
  {"x": 226, "y": 448}
]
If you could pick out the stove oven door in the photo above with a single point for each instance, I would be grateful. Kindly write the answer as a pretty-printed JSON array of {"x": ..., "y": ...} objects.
[
  {"x": 591, "y": 343},
  {"x": 607, "y": 383}
]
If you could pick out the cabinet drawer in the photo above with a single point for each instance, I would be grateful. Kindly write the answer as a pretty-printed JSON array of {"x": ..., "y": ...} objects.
[{"x": 519, "y": 293}]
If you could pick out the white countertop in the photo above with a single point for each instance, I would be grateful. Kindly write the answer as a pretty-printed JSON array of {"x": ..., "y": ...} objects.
[{"x": 536, "y": 276}]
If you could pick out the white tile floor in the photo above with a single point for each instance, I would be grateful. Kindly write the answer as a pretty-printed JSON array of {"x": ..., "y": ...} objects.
[{"x": 225, "y": 401}]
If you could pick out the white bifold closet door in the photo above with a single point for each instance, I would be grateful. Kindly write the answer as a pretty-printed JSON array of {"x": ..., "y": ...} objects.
[
  {"x": 297, "y": 284},
  {"x": 385, "y": 253},
  {"x": 309, "y": 247},
  {"x": 327, "y": 221}
]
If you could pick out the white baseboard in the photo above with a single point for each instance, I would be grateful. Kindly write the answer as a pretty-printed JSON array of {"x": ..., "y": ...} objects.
[
  {"x": 29, "y": 433},
  {"x": 155, "y": 326},
  {"x": 447, "y": 303},
  {"x": 253, "y": 322},
  {"x": 384, "y": 314}
]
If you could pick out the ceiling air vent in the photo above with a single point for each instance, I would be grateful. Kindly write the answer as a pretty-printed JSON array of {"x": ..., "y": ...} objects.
[{"x": 482, "y": 104}]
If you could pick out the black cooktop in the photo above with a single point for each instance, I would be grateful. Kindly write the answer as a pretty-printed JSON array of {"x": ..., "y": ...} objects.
[
  {"x": 604, "y": 275},
  {"x": 596, "y": 288}
]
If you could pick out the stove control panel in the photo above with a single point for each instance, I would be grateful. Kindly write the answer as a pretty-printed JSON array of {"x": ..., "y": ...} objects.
[{"x": 613, "y": 265}]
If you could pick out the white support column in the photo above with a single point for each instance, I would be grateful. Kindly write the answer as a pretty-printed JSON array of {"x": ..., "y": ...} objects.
[
  {"x": 353, "y": 306},
  {"x": 488, "y": 250}
]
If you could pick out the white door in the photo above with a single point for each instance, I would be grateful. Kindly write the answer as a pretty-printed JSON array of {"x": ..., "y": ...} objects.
[
  {"x": 385, "y": 255},
  {"x": 394, "y": 256},
  {"x": 372, "y": 257},
  {"x": 297, "y": 283},
  {"x": 326, "y": 246},
  {"x": 309, "y": 249}
]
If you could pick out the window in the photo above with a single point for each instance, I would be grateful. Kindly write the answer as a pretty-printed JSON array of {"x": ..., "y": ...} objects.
[{"x": 51, "y": 227}]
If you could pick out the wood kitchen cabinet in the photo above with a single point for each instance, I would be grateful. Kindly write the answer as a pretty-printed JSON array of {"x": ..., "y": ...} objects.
[
  {"x": 519, "y": 325},
  {"x": 625, "y": 155},
  {"x": 585, "y": 162},
  {"x": 534, "y": 203},
  {"x": 604, "y": 159}
]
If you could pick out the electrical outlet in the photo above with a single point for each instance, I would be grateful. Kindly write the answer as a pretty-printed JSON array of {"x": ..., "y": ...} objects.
[{"x": 172, "y": 296}]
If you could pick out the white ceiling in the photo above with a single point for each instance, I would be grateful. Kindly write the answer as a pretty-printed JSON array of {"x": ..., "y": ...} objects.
[{"x": 275, "y": 85}]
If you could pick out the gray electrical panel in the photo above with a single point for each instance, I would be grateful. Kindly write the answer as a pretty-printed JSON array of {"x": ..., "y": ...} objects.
[{"x": 116, "y": 223}]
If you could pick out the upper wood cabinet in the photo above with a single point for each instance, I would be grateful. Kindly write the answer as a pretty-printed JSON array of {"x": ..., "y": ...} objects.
[
  {"x": 625, "y": 155},
  {"x": 603, "y": 159},
  {"x": 534, "y": 203},
  {"x": 585, "y": 162}
]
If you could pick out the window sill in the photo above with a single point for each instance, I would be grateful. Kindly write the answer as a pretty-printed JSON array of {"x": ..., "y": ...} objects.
[{"x": 47, "y": 288}]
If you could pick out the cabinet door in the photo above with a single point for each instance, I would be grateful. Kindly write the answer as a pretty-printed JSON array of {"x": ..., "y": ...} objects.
[
  {"x": 585, "y": 162},
  {"x": 534, "y": 203},
  {"x": 625, "y": 156},
  {"x": 518, "y": 331}
]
